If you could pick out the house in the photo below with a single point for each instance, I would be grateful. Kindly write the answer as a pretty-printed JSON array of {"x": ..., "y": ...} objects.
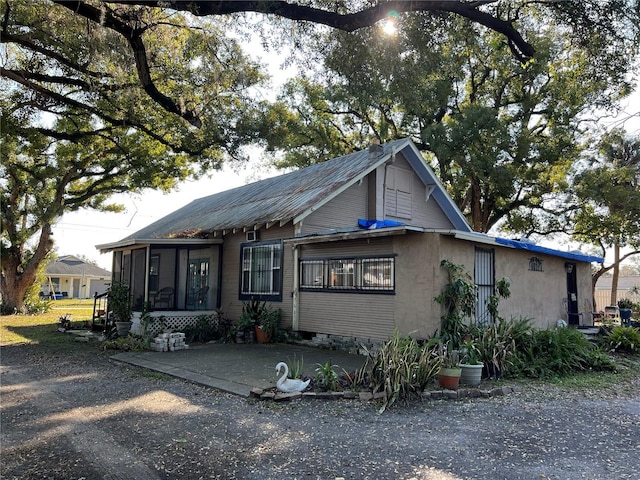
[
  {"x": 296, "y": 241},
  {"x": 69, "y": 276}
]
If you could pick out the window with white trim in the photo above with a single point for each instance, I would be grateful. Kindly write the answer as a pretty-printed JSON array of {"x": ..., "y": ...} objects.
[
  {"x": 363, "y": 274},
  {"x": 261, "y": 275}
]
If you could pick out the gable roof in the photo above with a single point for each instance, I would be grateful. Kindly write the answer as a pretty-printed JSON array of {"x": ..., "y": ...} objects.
[
  {"x": 289, "y": 197},
  {"x": 69, "y": 265}
]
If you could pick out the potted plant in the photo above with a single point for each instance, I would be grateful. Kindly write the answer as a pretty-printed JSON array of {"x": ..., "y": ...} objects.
[
  {"x": 244, "y": 329},
  {"x": 625, "y": 305},
  {"x": 119, "y": 302},
  {"x": 267, "y": 324},
  {"x": 471, "y": 366},
  {"x": 449, "y": 374}
]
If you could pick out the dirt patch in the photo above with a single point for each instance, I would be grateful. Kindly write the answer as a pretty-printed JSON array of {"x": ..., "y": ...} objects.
[{"x": 78, "y": 415}]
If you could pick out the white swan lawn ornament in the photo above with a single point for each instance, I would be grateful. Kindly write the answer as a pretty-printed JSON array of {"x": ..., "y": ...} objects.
[{"x": 288, "y": 385}]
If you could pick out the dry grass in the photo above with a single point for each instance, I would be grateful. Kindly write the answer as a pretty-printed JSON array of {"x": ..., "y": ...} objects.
[{"x": 43, "y": 329}]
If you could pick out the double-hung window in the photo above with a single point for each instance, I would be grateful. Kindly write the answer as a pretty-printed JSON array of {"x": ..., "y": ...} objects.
[
  {"x": 261, "y": 275},
  {"x": 363, "y": 274}
]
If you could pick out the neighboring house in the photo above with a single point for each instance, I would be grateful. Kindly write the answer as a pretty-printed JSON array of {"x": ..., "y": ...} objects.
[
  {"x": 295, "y": 241},
  {"x": 68, "y": 276},
  {"x": 628, "y": 287}
]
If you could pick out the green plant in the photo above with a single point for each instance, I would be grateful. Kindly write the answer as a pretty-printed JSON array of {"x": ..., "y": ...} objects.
[
  {"x": 470, "y": 353},
  {"x": 130, "y": 343},
  {"x": 296, "y": 367},
  {"x": 204, "y": 330},
  {"x": 120, "y": 302},
  {"x": 400, "y": 368},
  {"x": 458, "y": 298},
  {"x": 326, "y": 377},
  {"x": 269, "y": 319},
  {"x": 557, "y": 352},
  {"x": 498, "y": 342},
  {"x": 625, "y": 303},
  {"x": 623, "y": 339}
]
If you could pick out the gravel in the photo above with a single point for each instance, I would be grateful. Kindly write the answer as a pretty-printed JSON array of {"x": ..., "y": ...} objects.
[{"x": 79, "y": 416}]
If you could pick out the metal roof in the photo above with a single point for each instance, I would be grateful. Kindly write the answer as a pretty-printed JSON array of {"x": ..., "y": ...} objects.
[{"x": 288, "y": 197}]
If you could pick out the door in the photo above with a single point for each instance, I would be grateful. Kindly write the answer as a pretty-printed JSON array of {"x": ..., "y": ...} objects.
[
  {"x": 198, "y": 284},
  {"x": 572, "y": 294}
]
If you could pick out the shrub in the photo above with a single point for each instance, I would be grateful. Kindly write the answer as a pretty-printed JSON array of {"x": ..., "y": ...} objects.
[
  {"x": 130, "y": 343},
  {"x": 326, "y": 377},
  {"x": 623, "y": 339},
  {"x": 498, "y": 342},
  {"x": 204, "y": 330},
  {"x": 557, "y": 352},
  {"x": 400, "y": 368}
]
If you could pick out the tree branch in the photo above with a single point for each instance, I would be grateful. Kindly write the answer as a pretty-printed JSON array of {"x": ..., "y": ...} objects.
[
  {"x": 347, "y": 22},
  {"x": 134, "y": 37}
]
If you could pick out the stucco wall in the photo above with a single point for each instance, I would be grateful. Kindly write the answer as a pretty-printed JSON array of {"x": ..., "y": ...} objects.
[
  {"x": 418, "y": 281},
  {"x": 536, "y": 295}
]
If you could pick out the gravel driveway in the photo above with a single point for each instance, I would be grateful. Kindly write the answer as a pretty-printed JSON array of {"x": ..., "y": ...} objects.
[{"x": 79, "y": 416}]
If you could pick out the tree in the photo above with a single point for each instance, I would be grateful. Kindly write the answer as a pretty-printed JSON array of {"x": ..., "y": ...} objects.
[
  {"x": 78, "y": 126},
  {"x": 608, "y": 201},
  {"x": 502, "y": 136},
  {"x": 134, "y": 90}
]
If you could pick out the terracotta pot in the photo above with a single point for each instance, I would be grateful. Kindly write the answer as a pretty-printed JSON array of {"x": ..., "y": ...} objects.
[
  {"x": 449, "y": 378},
  {"x": 262, "y": 336}
]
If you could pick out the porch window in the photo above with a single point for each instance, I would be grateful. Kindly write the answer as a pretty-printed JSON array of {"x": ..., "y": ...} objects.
[
  {"x": 362, "y": 274},
  {"x": 261, "y": 271}
]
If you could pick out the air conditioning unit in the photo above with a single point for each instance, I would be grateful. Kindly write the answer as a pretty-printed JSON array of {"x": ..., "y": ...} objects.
[{"x": 252, "y": 236}]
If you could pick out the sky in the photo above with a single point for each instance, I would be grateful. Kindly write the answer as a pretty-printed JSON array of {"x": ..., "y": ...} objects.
[{"x": 78, "y": 233}]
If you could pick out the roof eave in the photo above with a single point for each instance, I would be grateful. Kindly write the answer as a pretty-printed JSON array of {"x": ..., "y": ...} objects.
[{"x": 145, "y": 242}]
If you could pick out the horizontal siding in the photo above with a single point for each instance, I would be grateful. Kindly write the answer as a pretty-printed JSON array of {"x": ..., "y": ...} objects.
[
  {"x": 347, "y": 314},
  {"x": 426, "y": 214},
  {"x": 365, "y": 315},
  {"x": 342, "y": 211},
  {"x": 231, "y": 303}
]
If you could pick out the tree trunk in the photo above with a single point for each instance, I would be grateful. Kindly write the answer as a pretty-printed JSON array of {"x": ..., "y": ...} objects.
[
  {"x": 17, "y": 277},
  {"x": 616, "y": 274}
]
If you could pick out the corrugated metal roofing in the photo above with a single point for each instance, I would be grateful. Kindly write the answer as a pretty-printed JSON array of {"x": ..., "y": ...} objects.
[{"x": 274, "y": 200}]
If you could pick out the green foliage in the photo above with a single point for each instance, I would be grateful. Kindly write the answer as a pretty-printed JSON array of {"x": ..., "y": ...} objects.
[
  {"x": 498, "y": 342},
  {"x": 459, "y": 298},
  {"x": 607, "y": 195},
  {"x": 557, "y": 352},
  {"x": 626, "y": 303},
  {"x": 258, "y": 314},
  {"x": 130, "y": 343},
  {"x": 401, "y": 368},
  {"x": 296, "y": 367},
  {"x": 326, "y": 377},
  {"x": 204, "y": 330},
  {"x": 502, "y": 135},
  {"x": 119, "y": 302},
  {"x": 130, "y": 100},
  {"x": 623, "y": 339},
  {"x": 470, "y": 353}
]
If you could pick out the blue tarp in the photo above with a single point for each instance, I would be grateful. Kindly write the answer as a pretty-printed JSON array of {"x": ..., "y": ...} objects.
[
  {"x": 373, "y": 224},
  {"x": 578, "y": 256}
]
